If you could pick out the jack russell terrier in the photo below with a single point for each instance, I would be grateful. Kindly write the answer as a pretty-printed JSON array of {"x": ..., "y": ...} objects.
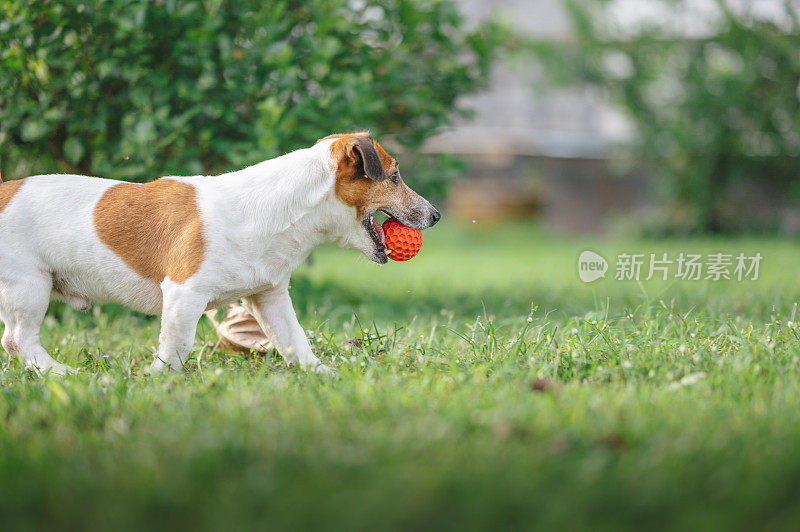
[{"x": 178, "y": 246}]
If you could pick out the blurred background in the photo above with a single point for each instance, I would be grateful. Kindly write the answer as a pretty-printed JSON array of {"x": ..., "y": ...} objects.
[
  {"x": 482, "y": 383},
  {"x": 655, "y": 117}
]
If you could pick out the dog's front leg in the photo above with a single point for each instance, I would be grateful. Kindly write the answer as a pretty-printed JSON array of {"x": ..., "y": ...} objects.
[
  {"x": 274, "y": 313},
  {"x": 181, "y": 310}
]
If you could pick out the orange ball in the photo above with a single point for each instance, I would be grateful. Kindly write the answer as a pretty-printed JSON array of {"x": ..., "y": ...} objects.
[{"x": 404, "y": 241}]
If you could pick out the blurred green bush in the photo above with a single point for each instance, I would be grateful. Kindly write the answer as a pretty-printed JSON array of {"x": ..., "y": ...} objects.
[
  {"x": 135, "y": 89},
  {"x": 714, "y": 114}
]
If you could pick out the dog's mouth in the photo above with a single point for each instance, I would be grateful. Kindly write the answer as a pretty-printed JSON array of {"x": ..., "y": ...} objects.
[{"x": 375, "y": 232}]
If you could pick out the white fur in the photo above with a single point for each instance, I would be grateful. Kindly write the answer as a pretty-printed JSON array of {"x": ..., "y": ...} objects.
[{"x": 259, "y": 224}]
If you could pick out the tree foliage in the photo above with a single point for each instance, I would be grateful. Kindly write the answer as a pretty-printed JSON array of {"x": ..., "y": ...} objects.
[
  {"x": 713, "y": 111},
  {"x": 134, "y": 89}
]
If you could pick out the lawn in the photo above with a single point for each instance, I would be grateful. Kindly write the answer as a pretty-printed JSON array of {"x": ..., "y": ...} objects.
[{"x": 487, "y": 386}]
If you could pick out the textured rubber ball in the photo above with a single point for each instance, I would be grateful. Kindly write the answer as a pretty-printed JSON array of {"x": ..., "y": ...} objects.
[{"x": 404, "y": 241}]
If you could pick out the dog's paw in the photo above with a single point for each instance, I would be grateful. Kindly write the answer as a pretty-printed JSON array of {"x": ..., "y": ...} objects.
[
  {"x": 53, "y": 368},
  {"x": 159, "y": 367},
  {"x": 322, "y": 369}
]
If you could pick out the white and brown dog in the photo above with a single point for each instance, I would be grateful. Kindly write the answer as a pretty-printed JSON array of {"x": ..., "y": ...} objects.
[{"x": 180, "y": 245}]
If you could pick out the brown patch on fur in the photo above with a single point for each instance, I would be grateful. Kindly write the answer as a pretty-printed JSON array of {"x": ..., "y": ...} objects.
[
  {"x": 7, "y": 191},
  {"x": 154, "y": 228},
  {"x": 357, "y": 190}
]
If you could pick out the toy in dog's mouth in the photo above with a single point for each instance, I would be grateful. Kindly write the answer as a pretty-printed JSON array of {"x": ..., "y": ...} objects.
[{"x": 375, "y": 232}]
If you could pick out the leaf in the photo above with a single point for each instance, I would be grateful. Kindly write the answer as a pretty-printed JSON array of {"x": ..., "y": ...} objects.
[
  {"x": 73, "y": 150},
  {"x": 240, "y": 330},
  {"x": 33, "y": 130}
]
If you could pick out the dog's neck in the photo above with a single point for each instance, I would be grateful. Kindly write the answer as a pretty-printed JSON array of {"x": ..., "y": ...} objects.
[{"x": 289, "y": 197}]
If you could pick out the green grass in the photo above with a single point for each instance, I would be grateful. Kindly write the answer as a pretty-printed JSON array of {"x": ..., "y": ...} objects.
[{"x": 493, "y": 389}]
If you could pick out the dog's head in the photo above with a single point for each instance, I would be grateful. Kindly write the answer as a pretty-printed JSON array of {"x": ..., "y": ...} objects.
[{"x": 368, "y": 180}]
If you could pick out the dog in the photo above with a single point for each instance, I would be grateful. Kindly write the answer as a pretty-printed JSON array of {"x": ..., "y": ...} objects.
[{"x": 178, "y": 246}]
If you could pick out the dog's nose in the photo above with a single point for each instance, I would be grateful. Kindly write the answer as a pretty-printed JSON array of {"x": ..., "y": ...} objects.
[{"x": 435, "y": 216}]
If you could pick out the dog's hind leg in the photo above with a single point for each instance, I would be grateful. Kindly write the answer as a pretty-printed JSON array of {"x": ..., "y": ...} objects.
[{"x": 23, "y": 304}]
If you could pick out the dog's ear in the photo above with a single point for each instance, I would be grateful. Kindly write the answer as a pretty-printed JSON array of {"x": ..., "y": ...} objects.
[{"x": 362, "y": 152}]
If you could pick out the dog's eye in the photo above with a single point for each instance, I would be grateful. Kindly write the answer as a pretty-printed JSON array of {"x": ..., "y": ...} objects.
[{"x": 394, "y": 177}]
